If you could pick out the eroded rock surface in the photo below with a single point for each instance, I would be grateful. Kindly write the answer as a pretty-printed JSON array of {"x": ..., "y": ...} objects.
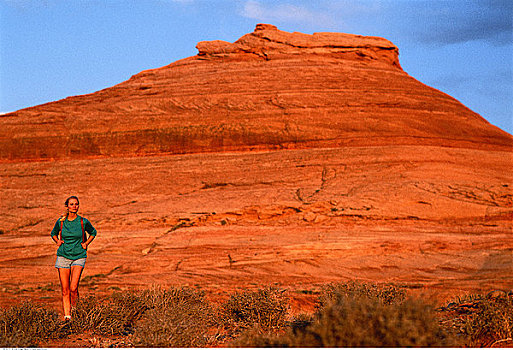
[
  {"x": 269, "y": 90},
  {"x": 282, "y": 158}
]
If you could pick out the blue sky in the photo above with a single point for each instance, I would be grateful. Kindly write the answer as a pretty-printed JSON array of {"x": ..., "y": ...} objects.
[{"x": 52, "y": 49}]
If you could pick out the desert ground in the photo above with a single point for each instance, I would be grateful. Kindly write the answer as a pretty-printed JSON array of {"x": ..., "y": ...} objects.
[
  {"x": 295, "y": 219},
  {"x": 282, "y": 159}
]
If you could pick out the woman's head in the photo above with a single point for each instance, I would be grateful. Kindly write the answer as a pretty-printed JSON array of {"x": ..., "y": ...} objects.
[
  {"x": 71, "y": 205},
  {"x": 72, "y": 199}
]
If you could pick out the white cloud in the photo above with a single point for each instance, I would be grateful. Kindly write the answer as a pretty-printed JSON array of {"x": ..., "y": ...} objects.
[{"x": 285, "y": 13}]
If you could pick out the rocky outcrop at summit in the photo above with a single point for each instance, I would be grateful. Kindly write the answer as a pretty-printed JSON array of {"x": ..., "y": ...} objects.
[
  {"x": 269, "y": 90},
  {"x": 267, "y": 42}
]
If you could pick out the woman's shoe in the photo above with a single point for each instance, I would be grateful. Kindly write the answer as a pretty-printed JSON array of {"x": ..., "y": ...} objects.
[{"x": 67, "y": 318}]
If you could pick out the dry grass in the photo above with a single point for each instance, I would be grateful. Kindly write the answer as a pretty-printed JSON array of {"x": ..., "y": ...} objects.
[
  {"x": 481, "y": 320},
  {"x": 367, "y": 322},
  {"x": 347, "y": 315},
  {"x": 113, "y": 316},
  {"x": 264, "y": 309},
  {"x": 359, "y": 315},
  {"x": 335, "y": 292},
  {"x": 156, "y": 317},
  {"x": 178, "y": 317},
  {"x": 27, "y": 324}
]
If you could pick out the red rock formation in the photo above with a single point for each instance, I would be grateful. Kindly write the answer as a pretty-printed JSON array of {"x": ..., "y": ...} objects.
[
  {"x": 268, "y": 42},
  {"x": 411, "y": 187},
  {"x": 269, "y": 90}
]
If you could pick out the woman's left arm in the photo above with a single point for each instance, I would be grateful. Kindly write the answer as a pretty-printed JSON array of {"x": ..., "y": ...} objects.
[
  {"x": 92, "y": 234},
  {"x": 89, "y": 240}
]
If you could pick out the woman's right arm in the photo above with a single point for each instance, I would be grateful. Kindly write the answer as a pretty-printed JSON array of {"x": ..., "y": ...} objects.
[
  {"x": 55, "y": 234},
  {"x": 57, "y": 240}
]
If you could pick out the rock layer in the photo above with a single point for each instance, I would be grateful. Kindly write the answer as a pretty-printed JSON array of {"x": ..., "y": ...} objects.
[
  {"x": 267, "y": 42},
  {"x": 434, "y": 219},
  {"x": 269, "y": 90},
  {"x": 391, "y": 181}
]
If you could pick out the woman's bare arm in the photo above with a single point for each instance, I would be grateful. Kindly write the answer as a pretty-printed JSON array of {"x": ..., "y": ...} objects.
[
  {"x": 57, "y": 240},
  {"x": 89, "y": 240}
]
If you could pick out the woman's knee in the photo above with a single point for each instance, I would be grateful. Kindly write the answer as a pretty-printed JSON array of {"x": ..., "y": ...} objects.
[
  {"x": 73, "y": 289},
  {"x": 65, "y": 291}
]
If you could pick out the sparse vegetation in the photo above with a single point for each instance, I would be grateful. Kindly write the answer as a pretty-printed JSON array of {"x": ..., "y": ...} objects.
[
  {"x": 483, "y": 320},
  {"x": 149, "y": 315},
  {"x": 24, "y": 325},
  {"x": 175, "y": 325},
  {"x": 493, "y": 321},
  {"x": 177, "y": 317},
  {"x": 336, "y": 292},
  {"x": 265, "y": 309},
  {"x": 114, "y": 316},
  {"x": 347, "y": 315},
  {"x": 366, "y": 322},
  {"x": 360, "y": 315}
]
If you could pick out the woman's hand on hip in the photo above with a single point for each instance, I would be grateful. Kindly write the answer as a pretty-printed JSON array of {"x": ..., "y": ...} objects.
[
  {"x": 84, "y": 245},
  {"x": 59, "y": 242}
]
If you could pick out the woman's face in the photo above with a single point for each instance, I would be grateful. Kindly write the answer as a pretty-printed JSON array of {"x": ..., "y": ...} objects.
[{"x": 73, "y": 205}]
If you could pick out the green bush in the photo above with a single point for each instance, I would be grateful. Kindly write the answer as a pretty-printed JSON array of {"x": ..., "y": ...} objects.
[
  {"x": 264, "y": 308},
  {"x": 25, "y": 325},
  {"x": 178, "y": 317}
]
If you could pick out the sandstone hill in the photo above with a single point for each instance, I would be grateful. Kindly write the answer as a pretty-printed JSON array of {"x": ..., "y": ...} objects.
[
  {"x": 282, "y": 158},
  {"x": 268, "y": 90}
]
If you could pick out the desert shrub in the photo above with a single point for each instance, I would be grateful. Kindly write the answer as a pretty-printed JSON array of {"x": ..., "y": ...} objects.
[
  {"x": 114, "y": 316},
  {"x": 87, "y": 314},
  {"x": 335, "y": 292},
  {"x": 177, "y": 325},
  {"x": 173, "y": 317},
  {"x": 363, "y": 322},
  {"x": 264, "y": 308},
  {"x": 126, "y": 308},
  {"x": 17, "y": 339},
  {"x": 27, "y": 324},
  {"x": 366, "y": 322},
  {"x": 300, "y": 322},
  {"x": 256, "y": 337},
  {"x": 490, "y": 320},
  {"x": 178, "y": 317}
]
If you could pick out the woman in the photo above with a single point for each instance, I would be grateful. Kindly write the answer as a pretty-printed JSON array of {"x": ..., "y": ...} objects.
[{"x": 69, "y": 233}]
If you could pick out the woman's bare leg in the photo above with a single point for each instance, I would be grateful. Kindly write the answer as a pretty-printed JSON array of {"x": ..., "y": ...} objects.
[
  {"x": 64, "y": 275},
  {"x": 76, "y": 272}
]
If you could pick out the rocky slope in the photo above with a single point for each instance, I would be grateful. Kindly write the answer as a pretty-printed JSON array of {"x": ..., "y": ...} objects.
[
  {"x": 305, "y": 159},
  {"x": 268, "y": 90}
]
